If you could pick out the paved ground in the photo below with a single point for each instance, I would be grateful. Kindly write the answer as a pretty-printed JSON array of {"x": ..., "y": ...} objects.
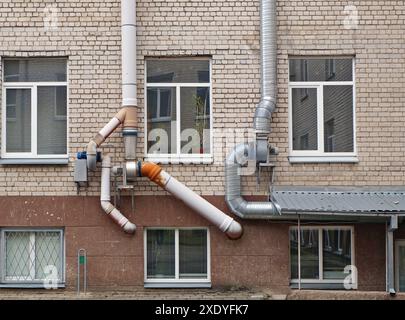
[{"x": 187, "y": 294}]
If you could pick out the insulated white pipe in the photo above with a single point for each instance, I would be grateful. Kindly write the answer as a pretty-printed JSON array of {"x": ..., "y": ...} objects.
[
  {"x": 128, "y": 47},
  {"x": 109, "y": 128},
  {"x": 224, "y": 222},
  {"x": 107, "y": 206}
]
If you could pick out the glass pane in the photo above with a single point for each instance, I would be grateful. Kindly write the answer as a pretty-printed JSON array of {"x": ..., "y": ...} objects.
[
  {"x": 47, "y": 255},
  {"x": 309, "y": 254},
  {"x": 195, "y": 120},
  {"x": 161, "y": 104},
  {"x": 193, "y": 254},
  {"x": 18, "y": 258},
  {"x": 338, "y": 117},
  {"x": 336, "y": 253},
  {"x": 18, "y": 118},
  {"x": 178, "y": 70},
  {"x": 304, "y": 117},
  {"x": 52, "y": 128},
  {"x": 321, "y": 69},
  {"x": 161, "y": 254},
  {"x": 401, "y": 270},
  {"x": 30, "y": 70}
]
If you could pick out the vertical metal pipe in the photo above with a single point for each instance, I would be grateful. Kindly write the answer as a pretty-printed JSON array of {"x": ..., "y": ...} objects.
[
  {"x": 299, "y": 252},
  {"x": 128, "y": 46}
]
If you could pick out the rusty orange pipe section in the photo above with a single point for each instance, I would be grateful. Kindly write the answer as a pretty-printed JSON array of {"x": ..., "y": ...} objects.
[{"x": 152, "y": 171}]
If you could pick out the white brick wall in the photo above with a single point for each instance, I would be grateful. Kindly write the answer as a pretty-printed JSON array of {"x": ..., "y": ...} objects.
[{"x": 228, "y": 31}]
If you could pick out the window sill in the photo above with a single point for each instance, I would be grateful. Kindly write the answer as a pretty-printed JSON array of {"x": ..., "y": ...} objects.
[
  {"x": 323, "y": 159},
  {"x": 320, "y": 286},
  {"x": 177, "y": 284},
  {"x": 180, "y": 160},
  {"x": 22, "y": 285},
  {"x": 36, "y": 161}
]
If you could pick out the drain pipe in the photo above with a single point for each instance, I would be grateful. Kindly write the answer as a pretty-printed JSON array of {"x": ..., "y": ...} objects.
[
  {"x": 106, "y": 204},
  {"x": 262, "y": 123}
]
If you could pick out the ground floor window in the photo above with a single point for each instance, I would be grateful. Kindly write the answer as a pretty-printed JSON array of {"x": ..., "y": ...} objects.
[
  {"x": 175, "y": 257},
  {"x": 325, "y": 257},
  {"x": 31, "y": 257}
]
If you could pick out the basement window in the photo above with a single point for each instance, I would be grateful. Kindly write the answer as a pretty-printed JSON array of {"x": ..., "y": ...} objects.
[
  {"x": 177, "y": 258},
  {"x": 31, "y": 258},
  {"x": 178, "y": 103},
  {"x": 326, "y": 257},
  {"x": 34, "y": 125},
  {"x": 322, "y": 109}
]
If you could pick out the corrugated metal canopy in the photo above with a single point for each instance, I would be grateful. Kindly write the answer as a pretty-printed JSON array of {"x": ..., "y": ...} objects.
[{"x": 353, "y": 202}]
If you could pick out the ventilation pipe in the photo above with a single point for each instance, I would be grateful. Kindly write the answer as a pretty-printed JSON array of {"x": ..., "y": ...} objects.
[
  {"x": 262, "y": 123},
  {"x": 132, "y": 169},
  {"x": 107, "y": 206},
  {"x": 225, "y": 223}
]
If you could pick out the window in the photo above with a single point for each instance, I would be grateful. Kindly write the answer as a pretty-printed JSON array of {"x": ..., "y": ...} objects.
[
  {"x": 178, "y": 100},
  {"x": 31, "y": 256},
  {"x": 177, "y": 256},
  {"x": 35, "y": 108},
  {"x": 321, "y": 103},
  {"x": 325, "y": 253}
]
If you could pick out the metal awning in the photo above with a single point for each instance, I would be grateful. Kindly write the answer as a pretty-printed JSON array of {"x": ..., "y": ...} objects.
[{"x": 339, "y": 202}]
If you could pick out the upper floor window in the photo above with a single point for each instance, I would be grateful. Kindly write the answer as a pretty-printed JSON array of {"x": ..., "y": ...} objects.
[
  {"x": 34, "y": 122},
  {"x": 321, "y": 104},
  {"x": 178, "y": 100}
]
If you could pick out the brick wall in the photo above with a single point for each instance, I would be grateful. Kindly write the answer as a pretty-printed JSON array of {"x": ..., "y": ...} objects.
[{"x": 89, "y": 34}]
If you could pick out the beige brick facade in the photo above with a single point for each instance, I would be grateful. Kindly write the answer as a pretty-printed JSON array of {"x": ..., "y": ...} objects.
[{"x": 88, "y": 33}]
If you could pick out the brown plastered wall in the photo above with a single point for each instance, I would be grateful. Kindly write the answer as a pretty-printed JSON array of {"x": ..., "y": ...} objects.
[{"x": 259, "y": 259}]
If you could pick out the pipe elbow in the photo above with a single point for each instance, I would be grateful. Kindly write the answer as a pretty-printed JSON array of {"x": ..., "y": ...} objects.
[
  {"x": 152, "y": 171},
  {"x": 92, "y": 155},
  {"x": 235, "y": 231},
  {"x": 129, "y": 228}
]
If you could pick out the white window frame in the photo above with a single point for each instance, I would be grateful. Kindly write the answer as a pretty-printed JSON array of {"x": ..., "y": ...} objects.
[
  {"x": 319, "y": 155},
  {"x": 23, "y": 281},
  {"x": 178, "y": 157},
  {"x": 320, "y": 230},
  {"x": 177, "y": 281},
  {"x": 398, "y": 243},
  {"x": 33, "y": 87}
]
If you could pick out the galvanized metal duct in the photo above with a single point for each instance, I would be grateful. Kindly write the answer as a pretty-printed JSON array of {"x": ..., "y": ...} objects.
[
  {"x": 262, "y": 123},
  {"x": 268, "y": 48},
  {"x": 233, "y": 197}
]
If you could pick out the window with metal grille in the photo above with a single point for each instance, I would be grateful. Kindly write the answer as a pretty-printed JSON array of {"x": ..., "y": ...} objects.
[
  {"x": 34, "y": 125},
  {"x": 31, "y": 256}
]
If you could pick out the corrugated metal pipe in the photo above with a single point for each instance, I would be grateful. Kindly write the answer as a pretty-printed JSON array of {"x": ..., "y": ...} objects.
[
  {"x": 268, "y": 52},
  {"x": 261, "y": 123},
  {"x": 238, "y": 205}
]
